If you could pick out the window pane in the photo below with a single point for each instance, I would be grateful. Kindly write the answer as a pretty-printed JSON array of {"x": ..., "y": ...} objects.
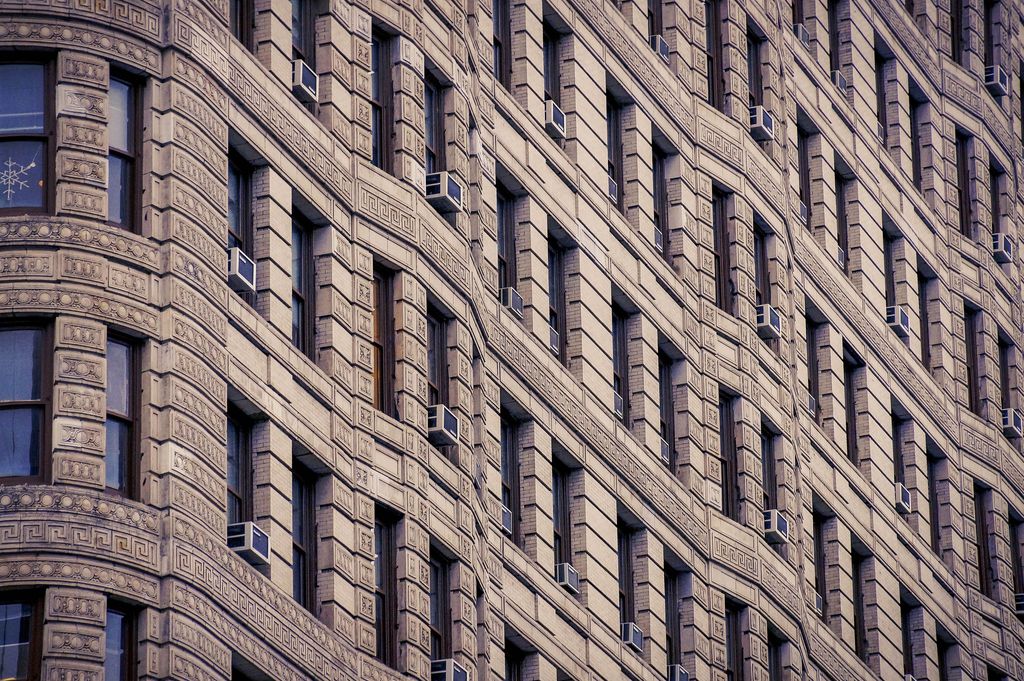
[
  {"x": 298, "y": 270},
  {"x": 15, "y": 628},
  {"x": 20, "y": 430},
  {"x": 21, "y": 107},
  {"x": 298, "y": 575},
  {"x": 119, "y": 129},
  {"x": 22, "y": 173},
  {"x": 117, "y": 377},
  {"x": 298, "y": 312},
  {"x": 112, "y": 663},
  {"x": 234, "y": 205},
  {"x": 21, "y": 350},
  {"x": 118, "y": 177},
  {"x": 117, "y": 451}
]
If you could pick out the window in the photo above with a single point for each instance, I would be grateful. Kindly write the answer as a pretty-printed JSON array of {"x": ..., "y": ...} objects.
[
  {"x": 121, "y": 659},
  {"x": 673, "y": 628},
  {"x": 381, "y": 98},
  {"x": 552, "y": 64},
  {"x": 852, "y": 367},
  {"x": 437, "y": 356},
  {"x": 963, "y": 180},
  {"x": 556, "y": 297},
  {"x": 834, "y": 62},
  {"x": 240, "y": 228},
  {"x": 24, "y": 403},
  {"x": 304, "y": 570},
  {"x": 775, "y": 664},
  {"x": 727, "y": 449},
  {"x": 613, "y": 113},
  {"x": 506, "y": 219},
  {"x": 122, "y": 414},
  {"x": 956, "y": 30},
  {"x": 996, "y": 179},
  {"x": 813, "y": 372},
  {"x": 798, "y": 11},
  {"x": 858, "y": 575},
  {"x": 239, "y": 476},
  {"x": 972, "y": 331},
  {"x": 844, "y": 192},
  {"x": 21, "y": 634},
  {"x": 515, "y": 659},
  {"x": 803, "y": 158},
  {"x": 881, "y": 96},
  {"x": 501, "y": 14},
  {"x": 889, "y": 264},
  {"x": 666, "y": 406},
  {"x": 722, "y": 255},
  {"x": 755, "y": 83},
  {"x": 433, "y": 112},
  {"x": 820, "y": 585},
  {"x": 383, "y": 342},
  {"x": 907, "y": 629},
  {"x": 988, "y": 27},
  {"x": 620, "y": 364},
  {"x": 385, "y": 531},
  {"x": 935, "y": 476},
  {"x": 510, "y": 473},
  {"x": 655, "y": 23},
  {"x": 982, "y": 537},
  {"x": 659, "y": 160},
  {"x": 762, "y": 277},
  {"x": 918, "y": 109},
  {"x": 733, "y": 641},
  {"x": 304, "y": 31},
  {"x": 1005, "y": 362},
  {"x": 243, "y": 19},
  {"x": 946, "y": 653},
  {"x": 769, "y": 481},
  {"x": 122, "y": 135},
  {"x": 1016, "y": 546},
  {"x": 561, "y": 525},
  {"x": 713, "y": 47},
  {"x": 303, "y": 291},
  {"x": 440, "y": 608},
  {"x": 627, "y": 603},
  {"x": 898, "y": 424},
  {"x": 925, "y": 287},
  {"x": 26, "y": 137}
]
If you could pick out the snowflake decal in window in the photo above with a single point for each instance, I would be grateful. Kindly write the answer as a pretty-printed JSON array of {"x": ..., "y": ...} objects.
[{"x": 12, "y": 177}]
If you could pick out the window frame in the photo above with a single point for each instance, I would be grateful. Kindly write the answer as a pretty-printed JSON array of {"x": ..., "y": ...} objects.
[
  {"x": 803, "y": 143},
  {"x": 762, "y": 269},
  {"x": 917, "y": 110},
  {"x": 381, "y": 106},
  {"x": 659, "y": 167},
  {"x": 242, "y": 496},
  {"x": 813, "y": 328},
  {"x": 243, "y": 234},
  {"x": 45, "y": 401},
  {"x": 242, "y": 22},
  {"x": 132, "y": 472},
  {"x": 511, "y": 473},
  {"x": 963, "y": 177},
  {"x": 129, "y": 642},
  {"x": 973, "y": 326},
  {"x": 728, "y": 456},
  {"x": 620, "y": 359},
  {"x": 305, "y": 342},
  {"x": 438, "y": 377},
  {"x": 34, "y": 600},
  {"x": 733, "y": 631},
  {"x": 673, "y": 628},
  {"x": 859, "y": 615},
  {"x": 721, "y": 254},
  {"x": 769, "y": 475},
  {"x": 982, "y": 534},
  {"x": 305, "y": 480},
  {"x": 818, "y": 521},
  {"x": 843, "y": 184},
  {"x": 616, "y": 171},
  {"x": 130, "y": 157},
  {"x": 996, "y": 180},
  {"x": 434, "y": 124},
  {"x": 552, "y": 42},
  {"x": 852, "y": 366},
  {"x": 667, "y": 405},
  {"x": 655, "y": 19},
  {"x": 383, "y": 343},
  {"x": 627, "y": 576},
  {"x": 501, "y": 15},
  {"x": 755, "y": 79},
  {"x": 47, "y": 136},
  {"x": 713, "y": 51},
  {"x": 832, "y": 9},
  {"x": 304, "y": 47},
  {"x": 505, "y": 225},
  {"x": 440, "y": 588},
  {"x": 561, "y": 520},
  {"x": 386, "y": 585},
  {"x": 556, "y": 295}
]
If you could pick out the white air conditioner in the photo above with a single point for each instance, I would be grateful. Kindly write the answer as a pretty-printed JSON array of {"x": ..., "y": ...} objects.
[
  {"x": 1002, "y": 247},
  {"x": 841, "y": 258},
  {"x": 800, "y": 31},
  {"x": 819, "y": 604},
  {"x": 897, "y": 319},
  {"x": 567, "y": 577},
  {"x": 769, "y": 322},
  {"x": 839, "y": 80},
  {"x": 633, "y": 636},
  {"x": 996, "y": 80},
  {"x": 677, "y": 673},
  {"x": 805, "y": 213},
  {"x": 904, "y": 504},
  {"x": 447, "y": 670},
  {"x": 511, "y": 299},
  {"x": 666, "y": 451},
  {"x": 613, "y": 190},
  {"x": 1012, "y": 422},
  {"x": 617, "y": 404},
  {"x": 554, "y": 120},
  {"x": 444, "y": 192},
  {"x": 660, "y": 46},
  {"x": 776, "y": 527},
  {"x": 1018, "y": 603},
  {"x": 249, "y": 542},
  {"x": 909, "y": 677},
  {"x": 442, "y": 425},
  {"x": 241, "y": 271},
  {"x": 762, "y": 124},
  {"x": 305, "y": 82},
  {"x": 506, "y": 520},
  {"x": 553, "y": 340},
  {"x": 659, "y": 239}
]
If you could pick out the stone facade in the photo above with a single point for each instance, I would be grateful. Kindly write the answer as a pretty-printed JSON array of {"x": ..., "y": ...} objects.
[{"x": 901, "y": 590}]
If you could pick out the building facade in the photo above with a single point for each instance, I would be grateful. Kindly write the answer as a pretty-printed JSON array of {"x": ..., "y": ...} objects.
[{"x": 536, "y": 340}]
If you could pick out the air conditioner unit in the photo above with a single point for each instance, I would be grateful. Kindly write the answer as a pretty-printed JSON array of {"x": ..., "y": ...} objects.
[
  {"x": 666, "y": 452},
  {"x": 762, "y": 124},
  {"x": 909, "y": 677},
  {"x": 511, "y": 299},
  {"x": 1013, "y": 422},
  {"x": 839, "y": 80},
  {"x": 241, "y": 271},
  {"x": 553, "y": 340},
  {"x": 1002, "y": 247},
  {"x": 897, "y": 319},
  {"x": 769, "y": 322},
  {"x": 442, "y": 425},
  {"x": 800, "y": 31},
  {"x": 819, "y": 604},
  {"x": 305, "y": 82},
  {"x": 677, "y": 673},
  {"x": 841, "y": 258},
  {"x": 554, "y": 120},
  {"x": 444, "y": 192},
  {"x": 996, "y": 80},
  {"x": 1018, "y": 603},
  {"x": 617, "y": 404},
  {"x": 633, "y": 636},
  {"x": 660, "y": 46},
  {"x": 903, "y": 500},
  {"x": 567, "y": 577},
  {"x": 447, "y": 670},
  {"x": 613, "y": 190},
  {"x": 805, "y": 213},
  {"x": 659, "y": 239},
  {"x": 811, "y": 406},
  {"x": 250, "y": 542},
  {"x": 506, "y": 520},
  {"x": 776, "y": 527}
]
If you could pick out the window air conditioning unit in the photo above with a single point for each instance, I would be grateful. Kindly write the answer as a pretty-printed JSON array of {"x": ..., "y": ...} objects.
[
  {"x": 554, "y": 120},
  {"x": 1002, "y": 247},
  {"x": 660, "y": 46},
  {"x": 511, "y": 299},
  {"x": 996, "y": 80},
  {"x": 506, "y": 520},
  {"x": 241, "y": 271},
  {"x": 613, "y": 189},
  {"x": 1018, "y": 603},
  {"x": 442, "y": 425},
  {"x": 776, "y": 527},
  {"x": 305, "y": 82},
  {"x": 250, "y": 542},
  {"x": 567, "y": 577},
  {"x": 811, "y": 406},
  {"x": 1013, "y": 422},
  {"x": 762, "y": 124},
  {"x": 909, "y": 677},
  {"x": 769, "y": 322},
  {"x": 444, "y": 192},
  {"x": 903, "y": 501},
  {"x": 677, "y": 673},
  {"x": 618, "y": 405},
  {"x": 447, "y": 670},
  {"x": 659, "y": 239},
  {"x": 897, "y": 319},
  {"x": 800, "y": 31},
  {"x": 633, "y": 636},
  {"x": 666, "y": 452},
  {"x": 805, "y": 213},
  {"x": 839, "y": 80},
  {"x": 553, "y": 340},
  {"x": 819, "y": 604},
  {"x": 841, "y": 258}
]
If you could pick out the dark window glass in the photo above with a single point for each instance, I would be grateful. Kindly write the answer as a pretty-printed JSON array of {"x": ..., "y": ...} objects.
[
  {"x": 613, "y": 114},
  {"x": 561, "y": 524},
  {"x": 433, "y": 110},
  {"x": 713, "y": 48},
  {"x": 963, "y": 180},
  {"x": 627, "y": 584},
  {"x": 673, "y": 630},
  {"x": 386, "y": 586},
  {"x": 243, "y": 19},
  {"x": 510, "y": 474},
  {"x": 304, "y": 569},
  {"x": 666, "y": 406},
  {"x": 121, "y": 658},
  {"x": 935, "y": 471},
  {"x": 820, "y": 586},
  {"x": 383, "y": 342},
  {"x": 502, "y": 29},
  {"x": 122, "y": 393},
  {"x": 798, "y": 11},
  {"x": 775, "y": 667},
  {"x": 22, "y": 402},
  {"x": 437, "y": 356},
  {"x": 769, "y": 481},
  {"x": 122, "y": 135},
  {"x": 924, "y": 292},
  {"x": 803, "y": 149},
  {"x": 762, "y": 276},
  {"x": 917, "y": 115},
  {"x": 860, "y": 643},
  {"x": 381, "y": 97},
  {"x": 889, "y": 264},
  {"x": 733, "y": 641},
  {"x": 727, "y": 451},
  {"x": 20, "y": 644},
  {"x": 906, "y": 628},
  {"x": 724, "y": 288},
  {"x": 988, "y": 30},
  {"x": 844, "y": 185},
  {"x": 440, "y": 608},
  {"x": 239, "y": 204},
  {"x": 620, "y": 361},
  {"x": 881, "y": 98},
  {"x": 654, "y": 18},
  {"x": 1005, "y": 362},
  {"x": 660, "y": 159},
  {"x": 755, "y": 83},
  {"x": 852, "y": 368},
  {"x": 552, "y": 65},
  {"x": 983, "y": 537},
  {"x": 899, "y": 465},
  {"x": 514, "y": 660},
  {"x": 506, "y": 239},
  {"x": 303, "y": 291},
  {"x": 24, "y": 137},
  {"x": 995, "y": 192},
  {"x": 304, "y": 31},
  {"x": 972, "y": 330},
  {"x": 813, "y": 372},
  {"x": 556, "y": 295},
  {"x": 1016, "y": 546},
  {"x": 833, "y": 35},
  {"x": 945, "y": 653},
  {"x": 239, "y": 476}
]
